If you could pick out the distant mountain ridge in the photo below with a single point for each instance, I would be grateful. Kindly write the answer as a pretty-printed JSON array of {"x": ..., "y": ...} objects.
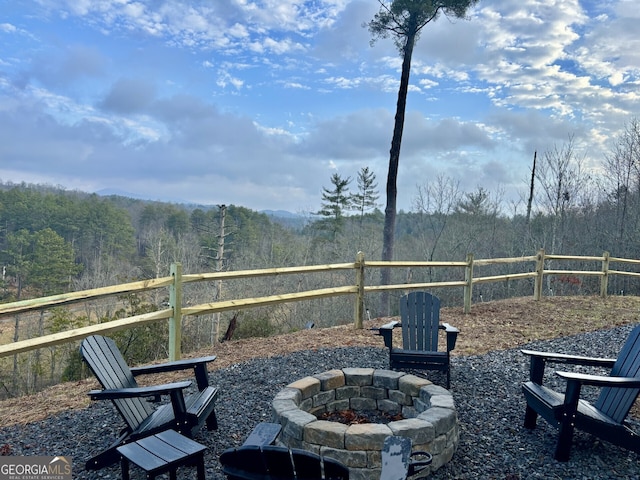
[
  {"x": 280, "y": 213},
  {"x": 106, "y": 192}
]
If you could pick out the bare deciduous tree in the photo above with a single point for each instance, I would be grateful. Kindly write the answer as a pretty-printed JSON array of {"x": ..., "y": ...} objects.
[
  {"x": 623, "y": 180},
  {"x": 434, "y": 204},
  {"x": 562, "y": 179},
  {"x": 561, "y": 176}
]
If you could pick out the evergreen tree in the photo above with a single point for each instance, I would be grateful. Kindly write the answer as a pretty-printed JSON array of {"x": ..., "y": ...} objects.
[
  {"x": 52, "y": 263},
  {"x": 366, "y": 197},
  {"x": 334, "y": 204},
  {"x": 16, "y": 258},
  {"x": 476, "y": 203}
]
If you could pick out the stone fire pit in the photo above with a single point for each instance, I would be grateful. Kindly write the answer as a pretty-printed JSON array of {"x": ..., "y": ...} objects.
[{"x": 430, "y": 418}]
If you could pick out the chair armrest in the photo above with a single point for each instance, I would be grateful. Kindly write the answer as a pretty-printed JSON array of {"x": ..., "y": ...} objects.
[
  {"x": 185, "y": 364},
  {"x": 448, "y": 328},
  {"x": 540, "y": 359},
  {"x": 571, "y": 359},
  {"x": 600, "y": 380},
  {"x": 452, "y": 335},
  {"x": 386, "y": 331},
  {"x": 199, "y": 365},
  {"x": 152, "y": 391},
  {"x": 575, "y": 381},
  {"x": 391, "y": 325},
  {"x": 264, "y": 433}
]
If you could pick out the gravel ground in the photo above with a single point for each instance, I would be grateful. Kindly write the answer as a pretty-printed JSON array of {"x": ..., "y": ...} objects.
[{"x": 486, "y": 388}]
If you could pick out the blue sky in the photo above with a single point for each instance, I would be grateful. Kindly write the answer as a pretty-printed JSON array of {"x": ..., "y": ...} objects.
[{"x": 257, "y": 103}]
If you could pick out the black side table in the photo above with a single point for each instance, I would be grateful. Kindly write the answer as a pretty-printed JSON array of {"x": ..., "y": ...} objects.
[{"x": 163, "y": 452}]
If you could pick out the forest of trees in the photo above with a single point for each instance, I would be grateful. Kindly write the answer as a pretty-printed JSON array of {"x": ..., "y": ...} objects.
[{"x": 53, "y": 241}]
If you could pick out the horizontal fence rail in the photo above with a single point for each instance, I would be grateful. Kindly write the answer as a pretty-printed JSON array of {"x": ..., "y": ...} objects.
[{"x": 176, "y": 311}]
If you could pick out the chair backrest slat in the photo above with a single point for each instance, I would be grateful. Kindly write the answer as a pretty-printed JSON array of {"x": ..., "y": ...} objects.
[
  {"x": 616, "y": 402},
  {"x": 277, "y": 462},
  {"x": 420, "y": 317},
  {"x": 111, "y": 370},
  {"x": 307, "y": 465}
]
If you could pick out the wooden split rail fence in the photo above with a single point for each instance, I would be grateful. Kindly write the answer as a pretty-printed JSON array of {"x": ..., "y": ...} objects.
[{"x": 176, "y": 311}]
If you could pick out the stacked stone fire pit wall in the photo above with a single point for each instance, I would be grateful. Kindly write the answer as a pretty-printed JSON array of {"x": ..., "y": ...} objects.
[{"x": 430, "y": 418}]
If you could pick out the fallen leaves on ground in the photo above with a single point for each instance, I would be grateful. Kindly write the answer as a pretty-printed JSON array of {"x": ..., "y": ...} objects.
[{"x": 496, "y": 325}]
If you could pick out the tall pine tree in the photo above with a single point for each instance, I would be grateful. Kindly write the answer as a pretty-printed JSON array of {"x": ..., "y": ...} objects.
[
  {"x": 334, "y": 204},
  {"x": 366, "y": 197},
  {"x": 404, "y": 20}
]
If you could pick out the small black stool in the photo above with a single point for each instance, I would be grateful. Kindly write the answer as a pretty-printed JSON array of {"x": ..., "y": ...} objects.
[{"x": 163, "y": 452}]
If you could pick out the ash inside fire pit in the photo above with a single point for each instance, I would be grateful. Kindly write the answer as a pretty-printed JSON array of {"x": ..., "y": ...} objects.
[{"x": 353, "y": 417}]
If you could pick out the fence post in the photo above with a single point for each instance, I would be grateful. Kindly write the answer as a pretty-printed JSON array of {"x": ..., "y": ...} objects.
[
  {"x": 359, "y": 306},
  {"x": 604, "y": 283},
  {"x": 537, "y": 287},
  {"x": 468, "y": 288},
  {"x": 175, "y": 322}
]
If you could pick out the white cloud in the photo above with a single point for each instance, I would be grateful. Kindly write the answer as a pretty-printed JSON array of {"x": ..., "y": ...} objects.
[
  {"x": 616, "y": 78},
  {"x": 385, "y": 83},
  {"x": 281, "y": 46},
  {"x": 225, "y": 79},
  {"x": 268, "y": 95},
  {"x": 296, "y": 85},
  {"x": 426, "y": 84},
  {"x": 8, "y": 28}
]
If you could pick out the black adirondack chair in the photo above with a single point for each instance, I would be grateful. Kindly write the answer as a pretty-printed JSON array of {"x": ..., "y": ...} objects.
[
  {"x": 420, "y": 322},
  {"x": 606, "y": 417},
  {"x": 258, "y": 459},
  {"x": 269, "y": 462},
  {"x": 186, "y": 413}
]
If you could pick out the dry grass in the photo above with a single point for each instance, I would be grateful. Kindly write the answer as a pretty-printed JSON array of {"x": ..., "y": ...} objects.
[{"x": 490, "y": 326}]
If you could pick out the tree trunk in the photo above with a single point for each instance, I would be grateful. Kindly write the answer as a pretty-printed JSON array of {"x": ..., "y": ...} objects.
[
  {"x": 215, "y": 330},
  {"x": 388, "y": 235},
  {"x": 533, "y": 176},
  {"x": 228, "y": 336},
  {"x": 527, "y": 226}
]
